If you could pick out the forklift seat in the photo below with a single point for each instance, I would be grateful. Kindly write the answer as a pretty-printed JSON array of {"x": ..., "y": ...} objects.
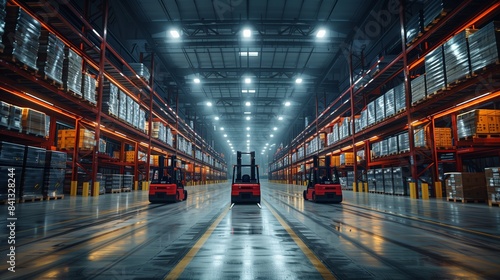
[{"x": 245, "y": 178}]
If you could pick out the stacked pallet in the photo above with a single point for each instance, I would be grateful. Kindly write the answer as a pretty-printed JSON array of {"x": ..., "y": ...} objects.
[
  {"x": 345, "y": 128},
  {"x": 141, "y": 71},
  {"x": 380, "y": 182},
  {"x": 414, "y": 27},
  {"x": 371, "y": 113},
  {"x": 371, "y": 180},
  {"x": 442, "y": 137},
  {"x": 24, "y": 32},
  {"x": 392, "y": 144},
  {"x": 347, "y": 159},
  {"x": 456, "y": 57},
  {"x": 400, "y": 177},
  {"x": 72, "y": 72},
  {"x": 435, "y": 72},
  {"x": 349, "y": 180},
  {"x": 33, "y": 171},
  {"x": 34, "y": 122},
  {"x": 89, "y": 88},
  {"x": 4, "y": 114},
  {"x": 478, "y": 123},
  {"x": 2, "y": 22},
  {"x": 54, "y": 176},
  {"x": 11, "y": 162},
  {"x": 434, "y": 10},
  {"x": 335, "y": 160},
  {"x": 388, "y": 183},
  {"x": 379, "y": 108},
  {"x": 128, "y": 183},
  {"x": 418, "y": 89},
  {"x": 113, "y": 182},
  {"x": 420, "y": 137},
  {"x": 110, "y": 96},
  {"x": 485, "y": 47},
  {"x": 463, "y": 186},
  {"x": 492, "y": 175},
  {"x": 66, "y": 139},
  {"x": 403, "y": 142},
  {"x": 390, "y": 103},
  {"x": 51, "y": 57},
  {"x": 400, "y": 98}
]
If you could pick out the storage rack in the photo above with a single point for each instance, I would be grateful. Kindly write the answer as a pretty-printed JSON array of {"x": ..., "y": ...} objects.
[
  {"x": 24, "y": 87},
  {"x": 473, "y": 92}
]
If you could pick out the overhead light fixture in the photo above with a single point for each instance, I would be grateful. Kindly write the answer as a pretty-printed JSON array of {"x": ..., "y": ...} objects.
[
  {"x": 248, "y": 104},
  {"x": 248, "y": 80},
  {"x": 244, "y": 91},
  {"x": 228, "y": 141},
  {"x": 248, "y": 91},
  {"x": 221, "y": 128},
  {"x": 247, "y": 113},
  {"x": 275, "y": 128},
  {"x": 249, "y": 53},
  {"x": 216, "y": 118},
  {"x": 248, "y": 141},
  {"x": 175, "y": 33},
  {"x": 272, "y": 135},
  {"x": 196, "y": 80},
  {"x": 247, "y": 33},
  {"x": 225, "y": 135},
  {"x": 248, "y": 118},
  {"x": 298, "y": 81},
  {"x": 280, "y": 118},
  {"x": 321, "y": 33},
  {"x": 209, "y": 104},
  {"x": 248, "y": 128},
  {"x": 248, "y": 135},
  {"x": 288, "y": 103}
]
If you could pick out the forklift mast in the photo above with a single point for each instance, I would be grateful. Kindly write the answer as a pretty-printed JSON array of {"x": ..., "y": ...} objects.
[
  {"x": 169, "y": 171},
  {"x": 253, "y": 168},
  {"x": 321, "y": 171}
]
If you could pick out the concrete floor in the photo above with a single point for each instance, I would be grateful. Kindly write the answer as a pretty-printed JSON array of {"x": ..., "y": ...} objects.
[{"x": 368, "y": 236}]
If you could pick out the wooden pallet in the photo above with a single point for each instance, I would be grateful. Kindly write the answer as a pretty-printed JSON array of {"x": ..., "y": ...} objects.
[
  {"x": 463, "y": 200},
  {"x": 486, "y": 68},
  {"x": 491, "y": 203},
  {"x": 404, "y": 152},
  {"x": 57, "y": 84},
  {"x": 126, "y": 189},
  {"x": 400, "y": 111},
  {"x": 31, "y": 199},
  {"x": 435, "y": 20},
  {"x": 484, "y": 136},
  {"x": 56, "y": 197},
  {"x": 459, "y": 81},
  {"x": 115, "y": 191}
]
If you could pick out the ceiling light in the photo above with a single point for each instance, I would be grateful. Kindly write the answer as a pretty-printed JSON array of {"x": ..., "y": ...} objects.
[
  {"x": 216, "y": 118},
  {"x": 248, "y": 104},
  {"x": 247, "y": 113},
  {"x": 174, "y": 33},
  {"x": 248, "y": 135},
  {"x": 248, "y": 91},
  {"x": 209, "y": 104},
  {"x": 251, "y": 91},
  {"x": 248, "y": 128},
  {"x": 272, "y": 135},
  {"x": 196, "y": 80},
  {"x": 247, "y": 33},
  {"x": 321, "y": 33},
  {"x": 248, "y": 80},
  {"x": 221, "y": 128},
  {"x": 248, "y": 118},
  {"x": 288, "y": 103},
  {"x": 228, "y": 141},
  {"x": 280, "y": 118},
  {"x": 244, "y": 91},
  {"x": 248, "y": 141},
  {"x": 225, "y": 135},
  {"x": 298, "y": 81},
  {"x": 275, "y": 128},
  {"x": 267, "y": 144},
  {"x": 249, "y": 53}
]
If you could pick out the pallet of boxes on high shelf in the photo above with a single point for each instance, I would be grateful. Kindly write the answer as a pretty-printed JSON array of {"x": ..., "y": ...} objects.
[
  {"x": 2, "y": 22},
  {"x": 4, "y": 114},
  {"x": 141, "y": 71},
  {"x": 456, "y": 58},
  {"x": 465, "y": 187},
  {"x": 479, "y": 123},
  {"x": 492, "y": 175},
  {"x": 66, "y": 139},
  {"x": 435, "y": 10},
  {"x": 484, "y": 47},
  {"x": 21, "y": 38},
  {"x": 34, "y": 122},
  {"x": 51, "y": 58},
  {"x": 89, "y": 88},
  {"x": 72, "y": 72}
]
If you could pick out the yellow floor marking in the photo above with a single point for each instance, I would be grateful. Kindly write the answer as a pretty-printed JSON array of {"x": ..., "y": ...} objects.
[
  {"x": 179, "y": 268},
  {"x": 325, "y": 272}
]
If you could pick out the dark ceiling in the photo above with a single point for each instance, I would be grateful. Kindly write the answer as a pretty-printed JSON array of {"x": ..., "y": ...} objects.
[{"x": 283, "y": 37}]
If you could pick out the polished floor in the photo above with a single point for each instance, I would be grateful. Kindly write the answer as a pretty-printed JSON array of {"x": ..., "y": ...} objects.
[{"x": 368, "y": 236}]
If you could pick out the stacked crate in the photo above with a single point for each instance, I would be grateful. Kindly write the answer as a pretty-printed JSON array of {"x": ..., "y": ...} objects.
[
  {"x": 363, "y": 120},
  {"x": 480, "y": 122},
  {"x": 400, "y": 179},
  {"x": 51, "y": 57},
  {"x": 11, "y": 162},
  {"x": 23, "y": 32},
  {"x": 15, "y": 116},
  {"x": 375, "y": 151},
  {"x": 388, "y": 183},
  {"x": 484, "y": 47},
  {"x": 360, "y": 155},
  {"x": 4, "y": 114},
  {"x": 414, "y": 27},
  {"x": 371, "y": 113},
  {"x": 420, "y": 137},
  {"x": 122, "y": 105},
  {"x": 72, "y": 72},
  {"x": 170, "y": 137},
  {"x": 110, "y": 96},
  {"x": 128, "y": 182},
  {"x": 335, "y": 161},
  {"x": 113, "y": 182},
  {"x": 384, "y": 147},
  {"x": 130, "y": 110},
  {"x": 465, "y": 186},
  {"x": 492, "y": 175},
  {"x": 442, "y": 137},
  {"x": 435, "y": 9},
  {"x": 33, "y": 122},
  {"x": 400, "y": 98},
  {"x": 392, "y": 143},
  {"x": 2, "y": 22},
  {"x": 403, "y": 142},
  {"x": 66, "y": 139},
  {"x": 456, "y": 57},
  {"x": 136, "y": 110},
  {"x": 55, "y": 170},
  {"x": 390, "y": 103},
  {"x": 345, "y": 128},
  {"x": 349, "y": 180},
  {"x": 142, "y": 120},
  {"x": 33, "y": 170},
  {"x": 141, "y": 71},
  {"x": 434, "y": 71},
  {"x": 379, "y": 108},
  {"x": 89, "y": 84},
  {"x": 418, "y": 89}
]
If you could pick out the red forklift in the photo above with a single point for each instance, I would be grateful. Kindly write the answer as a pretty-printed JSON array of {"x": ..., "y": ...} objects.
[
  {"x": 167, "y": 183},
  {"x": 245, "y": 187},
  {"x": 323, "y": 185}
]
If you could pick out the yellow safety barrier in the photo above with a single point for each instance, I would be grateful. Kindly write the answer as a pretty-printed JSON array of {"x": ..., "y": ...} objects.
[
  {"x": 74, "y": 188},
  {"x": 145, "y": 186},
  {"x": 136, "y": 185},
  {"x": 95, "y": 191},
  {"x": 425, "y": 191},
  {"x": 354, "y": 187},
  {"x": 366, "y": 186},
  {"x": 439, "y": 189},
  {"x": 85, "y": 189},
  {"x": 413, "y": 190}
]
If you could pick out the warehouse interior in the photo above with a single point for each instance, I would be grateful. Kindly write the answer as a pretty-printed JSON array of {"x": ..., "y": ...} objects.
[{"x": 400, "y": 97}]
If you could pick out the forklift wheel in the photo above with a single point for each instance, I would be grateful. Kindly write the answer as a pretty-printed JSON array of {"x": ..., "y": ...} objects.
[
  {"x": 305, "y": 195},
  {"x": 314, "y": 197},
  {"x": 185, "y": 195}
]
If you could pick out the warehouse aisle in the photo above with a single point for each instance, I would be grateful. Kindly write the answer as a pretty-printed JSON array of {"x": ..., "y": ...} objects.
[{"x": 368, "y": 236}]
